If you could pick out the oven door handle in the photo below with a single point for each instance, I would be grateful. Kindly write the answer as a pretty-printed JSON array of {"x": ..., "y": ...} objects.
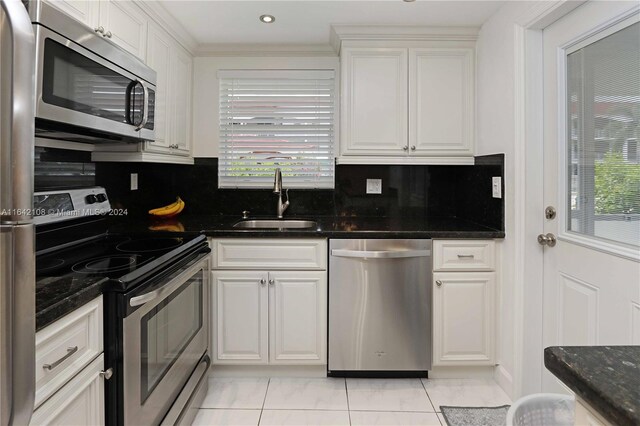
[
  {"x": 154, "y": 294},
  {"x": 147, "y": 297}
]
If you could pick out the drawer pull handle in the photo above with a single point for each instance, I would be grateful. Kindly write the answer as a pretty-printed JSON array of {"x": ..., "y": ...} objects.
[
  {"x": 70, "y": 351},
  {"x": 465, "y": 256}
]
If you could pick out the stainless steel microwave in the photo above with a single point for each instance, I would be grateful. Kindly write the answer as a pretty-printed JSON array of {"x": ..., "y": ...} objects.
[{"x": 88, "y": 89}]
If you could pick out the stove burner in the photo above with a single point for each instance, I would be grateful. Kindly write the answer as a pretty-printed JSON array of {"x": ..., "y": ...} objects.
[
  {"x": 107, "y": 264},
  {"x": 148, "y": 245},
  {"x": 48, "y": 264}
]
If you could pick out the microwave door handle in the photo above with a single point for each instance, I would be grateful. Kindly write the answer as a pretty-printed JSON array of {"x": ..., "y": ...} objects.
[{"x": 145, "y": 105}]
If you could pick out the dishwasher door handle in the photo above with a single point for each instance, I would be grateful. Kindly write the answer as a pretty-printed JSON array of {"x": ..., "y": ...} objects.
[{"x": 384, "y": 254}]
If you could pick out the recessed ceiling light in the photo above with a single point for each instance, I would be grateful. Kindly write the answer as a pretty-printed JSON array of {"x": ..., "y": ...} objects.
[{"x": 267, "y": 19}]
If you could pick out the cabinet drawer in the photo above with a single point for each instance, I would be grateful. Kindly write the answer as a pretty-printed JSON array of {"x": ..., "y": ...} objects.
[
  {"x": 65, "y": 347},
  {"x": 464, "y": 255},
  {"x": 79, "y": 402},
  {"x": 269, "y": 254}
]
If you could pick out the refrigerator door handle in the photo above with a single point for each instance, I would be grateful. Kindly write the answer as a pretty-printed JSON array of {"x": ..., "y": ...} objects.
[
  {"x": 17, "y": 280},
  {"x": 17, "y": 115}
]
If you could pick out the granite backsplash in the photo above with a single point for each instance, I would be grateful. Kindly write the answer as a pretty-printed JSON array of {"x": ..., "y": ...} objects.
[{"x": 407, "y": 191}]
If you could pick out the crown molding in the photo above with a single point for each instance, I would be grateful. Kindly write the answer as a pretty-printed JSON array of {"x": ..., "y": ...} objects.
[
  {"x": 340, "y": 33},
  {"x": 159, "y": 14},
  {"x": 266, "y": 50}
]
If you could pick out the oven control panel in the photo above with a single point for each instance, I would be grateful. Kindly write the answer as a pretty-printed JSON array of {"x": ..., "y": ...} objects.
[{"x": 56, "y": 206}]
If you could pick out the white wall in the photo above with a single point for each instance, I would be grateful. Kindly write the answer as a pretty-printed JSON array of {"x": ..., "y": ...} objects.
[
  {"x": 496, "y": 121},
  {"x": 206, "y": 90}
]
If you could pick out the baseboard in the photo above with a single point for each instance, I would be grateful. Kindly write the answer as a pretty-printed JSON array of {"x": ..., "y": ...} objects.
[
  {"x": 309, "y": 371},
  {"x": 504, "y": 379},
  {"x": 462, "y": 372}
]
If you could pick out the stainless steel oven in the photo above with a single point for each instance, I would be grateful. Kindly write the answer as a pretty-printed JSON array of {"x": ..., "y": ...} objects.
[
  {"x": 88, "y": 89},
  {"x": 164, "y": 341}
]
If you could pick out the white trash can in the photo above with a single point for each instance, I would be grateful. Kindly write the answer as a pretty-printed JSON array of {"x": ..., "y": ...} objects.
[{"x": 542, "y": 409}]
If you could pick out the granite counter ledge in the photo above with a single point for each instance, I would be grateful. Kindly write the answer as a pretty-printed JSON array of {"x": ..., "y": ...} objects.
[
  {"x": 328, "y": 227},
  {"x": 57, "y": 297},
  {"x": 605, "y": 377}
]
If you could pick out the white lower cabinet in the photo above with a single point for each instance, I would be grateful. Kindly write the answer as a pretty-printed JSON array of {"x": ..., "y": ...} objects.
[
  {"x": 463, "y": 318},
  {"x": 79, "y": 402},
  {"x": 464, "y": 292},
  {"x": 274, "y": 317}
]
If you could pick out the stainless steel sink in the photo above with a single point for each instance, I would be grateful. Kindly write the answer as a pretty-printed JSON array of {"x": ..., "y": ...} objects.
[{"x": 276, "y": 224}]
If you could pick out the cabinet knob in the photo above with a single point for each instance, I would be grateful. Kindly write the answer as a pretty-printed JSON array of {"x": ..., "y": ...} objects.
[
  {"x": 413, "y": 147},
  {"x": 439, "y": 283},
  {"x": 263, "y": 281},
  {"x": 106, "y": 374},
  {"x": 99, "y": 29},
  {"x": 108, "y": 34},
  {"x": 405, "y": 148},
  {"x": 272, "y": 282}
]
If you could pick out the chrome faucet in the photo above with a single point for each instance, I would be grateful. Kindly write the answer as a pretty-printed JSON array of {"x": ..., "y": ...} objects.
[{"x": 277, "y": 189}]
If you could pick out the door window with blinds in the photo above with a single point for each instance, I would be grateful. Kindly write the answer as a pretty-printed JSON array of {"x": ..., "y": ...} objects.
[
  {"x": 276, "y": 119},
  {"x": 603, "y": 133}
]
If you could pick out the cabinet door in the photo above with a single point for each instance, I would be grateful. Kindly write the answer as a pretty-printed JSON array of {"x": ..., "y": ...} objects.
[
  {"x": 159, "y": 45},
  {"x": 240, "y": 303},
  {"x": 374, "y": 95},
  {"x": 441, "y": 96},
  {"x": 181, "y": 99},
  {"x": 463, "y": 318},
  {"x": 127, "y": 24},
  {"x": 85, "y": 11},
  {"x": 79, "y": 402},
  {"x": 298, "y": 317}
]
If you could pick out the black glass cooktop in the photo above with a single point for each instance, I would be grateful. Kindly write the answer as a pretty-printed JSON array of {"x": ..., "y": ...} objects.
[{"x": 106, "y": 256}]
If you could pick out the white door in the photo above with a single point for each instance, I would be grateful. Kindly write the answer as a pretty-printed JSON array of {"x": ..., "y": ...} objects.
[
  {"x": 241, "y": 319},
  {"x": 85, "y": 11},
  {"x": 591, "y": 177},
  {"x": 441, "y": 94},
  {"x": 181, "y": 98},
  {"x": 463, "y": 318},
  {"x": 125, "y": 24},
  {"x": 298, "y": 317},
  {"x": 159, "y": 58},
  {"x": 374, "y": 96}
]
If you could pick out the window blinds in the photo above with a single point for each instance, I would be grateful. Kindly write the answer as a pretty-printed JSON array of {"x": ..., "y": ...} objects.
[{"x": 271, "y": 119}]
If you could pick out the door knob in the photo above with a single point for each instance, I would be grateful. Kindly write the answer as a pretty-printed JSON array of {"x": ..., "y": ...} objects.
[
  {"x": 439, "y": 283},
  {"x": 106, "y": 374},
  {"x": 413, "y": 147},
  {"x": 99, "y": 29},
  {"x": 547, "y": 240},
  {"x": 405, "y": 148},
  {"x": 263, "y": 281},
  {"x": 272, "y": 282},
  {"x": 108, "y": 34}
]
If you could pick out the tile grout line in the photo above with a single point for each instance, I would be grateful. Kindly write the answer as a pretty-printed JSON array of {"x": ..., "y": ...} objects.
[
  {"x": 264, "y": 401},
  {"x": 435, "y": 410},
  {"x": 346, "y": 390}
]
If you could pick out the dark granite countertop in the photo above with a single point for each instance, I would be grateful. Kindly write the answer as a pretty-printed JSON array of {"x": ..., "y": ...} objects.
[
  {"x": 58, "y": 296},
  {"x": 328, "y": 227},
  {"x": 606, "y": 377}
]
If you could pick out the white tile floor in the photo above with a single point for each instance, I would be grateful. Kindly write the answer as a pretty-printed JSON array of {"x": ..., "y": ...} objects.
[{"x": 333, "y": 401}]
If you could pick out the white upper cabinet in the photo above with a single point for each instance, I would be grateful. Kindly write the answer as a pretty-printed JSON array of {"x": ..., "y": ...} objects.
[
  {"x": 125, "y": 24},
  {"x": 374, "y": 94},
  {"x": 441, "y": 87},
  {"x": 85, "y": 11},
  {"x": 407, "y": 100},
  {"x": 181, "y": 81},
  {"x": 158, "y": 54}
]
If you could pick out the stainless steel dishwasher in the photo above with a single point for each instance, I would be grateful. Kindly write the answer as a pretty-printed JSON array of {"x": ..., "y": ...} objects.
[{"x": 379, "y": 307}]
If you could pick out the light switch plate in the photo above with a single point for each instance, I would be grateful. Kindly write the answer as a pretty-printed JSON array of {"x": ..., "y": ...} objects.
[
  {"x": 134, "y": 181},
  {"x": 374, "y": 186},
  {"x": 496, "y": 186}
]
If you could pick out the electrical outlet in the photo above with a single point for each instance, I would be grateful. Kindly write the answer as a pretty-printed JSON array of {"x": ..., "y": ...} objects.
[
  {"x": 496, "y": 186},
  {"x": 134, "y": 181},
  {"x": 374, "y": 186}
]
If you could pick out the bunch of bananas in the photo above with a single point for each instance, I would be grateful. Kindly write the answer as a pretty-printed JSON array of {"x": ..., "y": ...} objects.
[{"x": 170, "y": 210}]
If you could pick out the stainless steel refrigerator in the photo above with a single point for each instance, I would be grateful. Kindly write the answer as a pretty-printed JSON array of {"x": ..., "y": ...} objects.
[{"x": 17, "y": 253}]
